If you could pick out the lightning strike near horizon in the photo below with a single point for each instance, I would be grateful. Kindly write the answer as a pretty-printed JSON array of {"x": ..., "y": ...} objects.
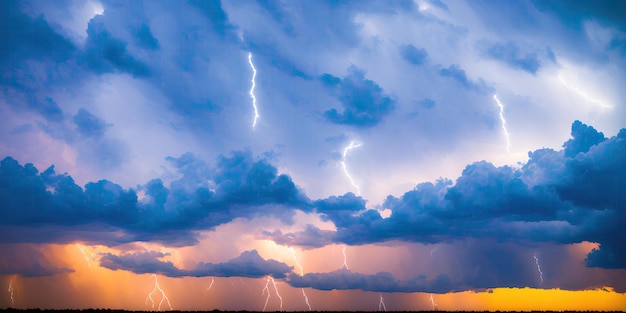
[
  {"x": 347, "y": 149},
  {"x": 583, "y": 94},
  {"x": 295, "y": 258},
  {"x": 506, "y": 132},
  {"x": 432, "y": 301},
  {"x": 163, "y": 296},
  {"x": 211, "y": 284},
  {"x": 381, "y": 304},
  {"x": 10, "y": 290},
  {"x": 88, "y": 256},
  {"x": 345, "y": 259},
  {"x": 256, "y": 110},
  {"x": 538, "y": 268},
  {"x": 266, "y": 288}
]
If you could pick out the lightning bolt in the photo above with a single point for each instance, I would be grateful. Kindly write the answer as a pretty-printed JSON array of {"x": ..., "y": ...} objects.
[
  {"x": 381, "y": 304},
  {"x": 584, "y": 95},
  {"x": 256, "y": 110},
  {"x": 347, "y": 149},
  {"x": 295, "y": 258},
  {"x": 538, "y": 268},
  {"x": 306, "y": 299},
  {"x": 87, "y": 255},
  {"x": 432, "y": 301},
  {"x": 433, "y": 251},
  {"x": 163, "y": 296},
  {"x": 211, "y": 284},
  {"x": 345, "y": 259},
  {"x": 10, "y": 290},
  {"x": 266, "y": 288},
  {"x": 506, "y": 133}
]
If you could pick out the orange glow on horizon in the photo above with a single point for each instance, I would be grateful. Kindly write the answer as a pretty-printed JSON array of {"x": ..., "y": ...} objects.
[{"x": 92, "y": 286}]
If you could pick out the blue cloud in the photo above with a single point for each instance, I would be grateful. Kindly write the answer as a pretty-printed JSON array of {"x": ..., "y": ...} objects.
[
  {"x": 105, "y": 53},
  {"x": 88, "y": 124},
  {"x": 584, "y": 137},
  {"x": 365, "y": 103},
  {"x": 145, "y": 39},
  {"x": 344, "y": 279},
  {"x": 427, "y": 103},
  {"x": 242, "y": 186},
  {"x": 564, "y": 196},
  {"x": 25, "y": 37},
  {"x": 575, "y": 12},
  {"x": 455, "y": 72},
  {"x": 509, "y": 54},
  {"x": 21, "y": 129},
  {"x": 557, "y": 196},
  {"x": 49, "y": 109},
  {"x": 413, "y": 55},
  {"x": 310, "y": 237},
  {"x": 248, "y": 264},
  {"x": 215, "y": 14}
]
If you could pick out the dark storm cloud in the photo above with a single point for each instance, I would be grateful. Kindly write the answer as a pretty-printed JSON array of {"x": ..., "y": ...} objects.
[
  {"x": 510, "y": 54},
  {"x": 242, "y": 187},
  {"x": 455, "y": 72},
  {"x": 27, "y": 261},
  {"x": 24, "y": 37},
  {"x": 88, "y": 124},
  {"x": 49, "y": 109},
  {"x": 557, "y": 196},
  {"x": 413, "y": 55},
  {"x": 249, "y": 264},
  {"x": 585, "y": 137},
  {"x": 574, "y": 12},
  {"x": 310, "y": 237},
  {"x": 365, "y": 103},
  {"x": 215, "y": 14},
  {"x": 105, "y": 54},
  {"x": 145, "y": 39},
  {"x": 344, "y": 279}
]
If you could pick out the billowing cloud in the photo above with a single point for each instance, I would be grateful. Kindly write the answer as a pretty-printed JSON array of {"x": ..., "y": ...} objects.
[
  {"x": 455, "y": 72},
  {"x": 413, "y": 55},
  {"x": 241, "y": 186},
  {"x": 344, "y": 279},
  {"x": 510, "y": 54},
  {"x": 29, "y": 261},
  {"x": 364, "y": 102},
  {"x": 105, "y": 53},
  {"x": 249, "y": 264},
  {"x": 553, "y": 198}
]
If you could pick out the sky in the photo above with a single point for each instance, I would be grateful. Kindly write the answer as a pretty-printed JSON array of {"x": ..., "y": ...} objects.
[{"x": 313, "y": 155}]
